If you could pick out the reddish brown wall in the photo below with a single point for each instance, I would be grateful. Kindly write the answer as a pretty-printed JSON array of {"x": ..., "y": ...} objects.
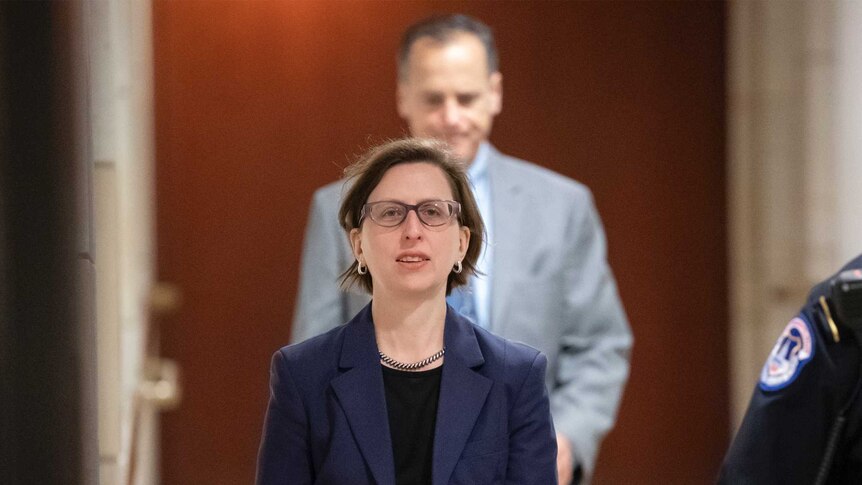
[{"x": 259, "y": 103}]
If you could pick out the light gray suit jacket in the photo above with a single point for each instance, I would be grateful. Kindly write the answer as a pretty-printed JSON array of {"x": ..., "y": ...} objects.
[{"x": 551, "y": 288}]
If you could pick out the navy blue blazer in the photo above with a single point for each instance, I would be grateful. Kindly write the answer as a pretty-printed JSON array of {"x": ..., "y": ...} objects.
[{"x": 326, "y": 422}]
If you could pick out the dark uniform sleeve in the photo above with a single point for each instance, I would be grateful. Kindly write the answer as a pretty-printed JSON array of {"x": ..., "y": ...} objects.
[{"x": 807, "y": 379}]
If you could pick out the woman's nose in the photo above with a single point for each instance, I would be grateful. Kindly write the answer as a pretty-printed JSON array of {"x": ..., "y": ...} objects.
[{"x": 412, "y": 226}]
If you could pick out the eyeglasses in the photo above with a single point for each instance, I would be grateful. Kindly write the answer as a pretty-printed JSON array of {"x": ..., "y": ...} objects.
[{"x": 390, "y": 213}]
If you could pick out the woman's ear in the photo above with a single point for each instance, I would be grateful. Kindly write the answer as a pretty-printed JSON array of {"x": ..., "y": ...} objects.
[
  {"x": 463, "y": 241},
  {"x": 355, "y": 237}
]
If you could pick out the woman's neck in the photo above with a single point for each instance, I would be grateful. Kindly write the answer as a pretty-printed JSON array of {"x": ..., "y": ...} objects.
[{"x": 407, "y": 331}]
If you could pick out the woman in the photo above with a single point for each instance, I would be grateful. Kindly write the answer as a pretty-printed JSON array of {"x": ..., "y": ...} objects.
[{"x": 408, "y": 391}]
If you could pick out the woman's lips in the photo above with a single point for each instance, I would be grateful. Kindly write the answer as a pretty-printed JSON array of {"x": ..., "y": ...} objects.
[{"x": 413, "y": 261}]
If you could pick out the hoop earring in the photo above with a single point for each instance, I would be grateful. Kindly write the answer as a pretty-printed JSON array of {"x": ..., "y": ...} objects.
[
  {"x": 458, "y": 267},
  {"x": 362, "y": 270}
]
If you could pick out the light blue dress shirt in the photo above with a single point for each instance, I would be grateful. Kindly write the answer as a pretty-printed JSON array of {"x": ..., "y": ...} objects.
[{"x": 479, "y": 289}]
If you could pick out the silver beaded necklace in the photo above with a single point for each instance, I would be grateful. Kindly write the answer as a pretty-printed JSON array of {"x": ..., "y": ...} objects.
[{"x": 410, "y": 367}]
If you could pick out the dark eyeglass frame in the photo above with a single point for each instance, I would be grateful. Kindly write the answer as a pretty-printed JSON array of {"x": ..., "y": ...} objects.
[{"x": 453, "y": 215}]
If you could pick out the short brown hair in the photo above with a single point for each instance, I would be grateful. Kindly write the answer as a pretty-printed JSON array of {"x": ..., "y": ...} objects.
[
  {"x": 442, "y": 29},
  {"x": 364, "y": 175}
]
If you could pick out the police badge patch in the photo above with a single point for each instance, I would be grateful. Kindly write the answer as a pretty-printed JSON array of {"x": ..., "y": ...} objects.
[{"x": 793, "y": 350}]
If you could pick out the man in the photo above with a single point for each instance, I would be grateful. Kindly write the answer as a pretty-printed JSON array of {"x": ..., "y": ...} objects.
[
  {"x": 804, "y": 421},
  {"x": 546, "y": 279}
]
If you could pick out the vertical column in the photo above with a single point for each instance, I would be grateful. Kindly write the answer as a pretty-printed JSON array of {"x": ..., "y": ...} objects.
[
  {"x": 766, "y": 149},
  {"x": 848, "y": 129},
  {"x": 120, "y": 48},
  {"x": 782, "y": 172}
]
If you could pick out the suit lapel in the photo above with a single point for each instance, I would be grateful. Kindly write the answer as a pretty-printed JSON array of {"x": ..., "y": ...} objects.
[
  {"x": 462, "y": 395},
  {"x": 507, "y": 213},
  {"x": 363, "y": 399}
]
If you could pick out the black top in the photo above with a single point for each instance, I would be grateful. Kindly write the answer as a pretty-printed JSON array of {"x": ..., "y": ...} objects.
[{"x": 411, "y": 402}]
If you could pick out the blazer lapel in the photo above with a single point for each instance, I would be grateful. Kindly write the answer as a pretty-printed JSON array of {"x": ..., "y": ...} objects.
[
  {"x": 507, "y": 214},
  {"x": 462, "y": 395},
  {"x": 363, "y": 399}
]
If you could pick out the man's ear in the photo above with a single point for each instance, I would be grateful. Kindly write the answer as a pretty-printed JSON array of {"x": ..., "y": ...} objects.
[
  {"x": 401, "y": 100},
  {"x": 496, "y": 81}
]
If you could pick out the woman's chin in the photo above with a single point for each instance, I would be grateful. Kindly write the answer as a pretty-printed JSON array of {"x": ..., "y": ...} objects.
[{"x": 417, "y": 288}]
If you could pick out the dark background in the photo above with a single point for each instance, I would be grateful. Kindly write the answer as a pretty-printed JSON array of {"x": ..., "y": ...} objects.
[{"x": 259, "y": 103}]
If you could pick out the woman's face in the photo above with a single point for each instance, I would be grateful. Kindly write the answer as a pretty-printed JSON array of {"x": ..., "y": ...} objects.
[{"x": 410, "y": 259}]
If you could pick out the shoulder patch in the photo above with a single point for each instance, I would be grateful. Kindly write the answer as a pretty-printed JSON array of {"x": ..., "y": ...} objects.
[{"x": 792, "y": 351}]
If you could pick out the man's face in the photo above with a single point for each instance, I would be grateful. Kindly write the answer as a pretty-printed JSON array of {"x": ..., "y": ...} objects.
[{"x": 448, "y": 94}]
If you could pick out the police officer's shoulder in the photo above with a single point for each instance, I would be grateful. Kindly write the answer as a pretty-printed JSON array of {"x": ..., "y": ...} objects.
[
  {"x": 793, "y": 350},
  {"x": 813, "y": 335}
]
